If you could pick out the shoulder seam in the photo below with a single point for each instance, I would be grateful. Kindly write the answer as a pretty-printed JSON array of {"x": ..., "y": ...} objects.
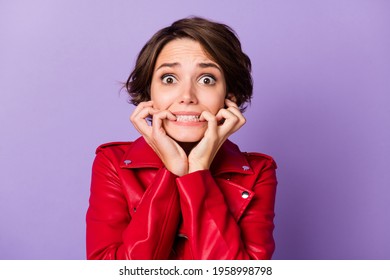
[
  {"x": 110, "y": 144},
  {"x": 264, "y": 156},
  {"x": 256, "y": 154}
]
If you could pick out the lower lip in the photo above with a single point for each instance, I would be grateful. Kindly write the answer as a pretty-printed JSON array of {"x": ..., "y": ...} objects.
[{"x": 188, "y": 123}]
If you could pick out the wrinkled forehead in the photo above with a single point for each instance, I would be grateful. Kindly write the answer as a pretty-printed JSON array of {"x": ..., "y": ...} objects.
[{"x": 183, "y": 50}]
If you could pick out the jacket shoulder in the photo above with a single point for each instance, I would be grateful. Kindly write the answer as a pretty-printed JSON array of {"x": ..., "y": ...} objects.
[
  {"x": 255, "y": 157},
  {"x": 114, "y": 146},
  {"x": 112, "y": 152}
]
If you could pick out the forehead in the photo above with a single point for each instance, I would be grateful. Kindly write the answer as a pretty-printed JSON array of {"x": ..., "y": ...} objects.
[{"x": 183, "y": 50}]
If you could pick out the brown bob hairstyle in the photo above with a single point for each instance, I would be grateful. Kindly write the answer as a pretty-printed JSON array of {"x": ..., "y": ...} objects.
[{"x": 218, "y": 40}]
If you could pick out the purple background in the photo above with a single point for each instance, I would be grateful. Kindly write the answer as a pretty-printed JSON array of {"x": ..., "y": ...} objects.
[{"x": 321, "y": 109}]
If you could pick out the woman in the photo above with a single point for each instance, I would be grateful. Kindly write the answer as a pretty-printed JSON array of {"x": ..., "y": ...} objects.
[{"x": 182, "y": 190}]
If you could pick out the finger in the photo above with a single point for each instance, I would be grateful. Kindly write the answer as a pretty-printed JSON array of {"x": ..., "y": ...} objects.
[
  {"x": 227, "y": 115},
  {"x": 231, "y": 122},
  {"x": 139, "y": 120},
  {"x": 212, "y": 121},
  {"x": 233, "y": 107},
  {"x": 158, "y": 120},
  {"x": 230, "y": 103},
  {"x": 141, "y": 106},
  {"x": 139, "y": 111},
  {"x": 144, "y": 113},
  {"x": 236, "y": 111}
]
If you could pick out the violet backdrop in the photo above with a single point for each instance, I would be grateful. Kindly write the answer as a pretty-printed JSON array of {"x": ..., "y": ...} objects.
[{"x": 321, "y": 108}]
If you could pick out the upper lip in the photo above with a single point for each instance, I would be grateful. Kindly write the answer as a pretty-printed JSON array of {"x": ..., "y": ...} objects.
[{"x": 186, "y": 113}]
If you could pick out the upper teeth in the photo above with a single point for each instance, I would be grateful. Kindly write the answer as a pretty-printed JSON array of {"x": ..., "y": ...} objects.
[{"x": 187, "y": 118}]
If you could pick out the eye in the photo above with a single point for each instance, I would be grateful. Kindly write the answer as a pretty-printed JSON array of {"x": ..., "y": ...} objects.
[
  {"x": 168, "y": 79},
  {"x": 207, "y": 80}
]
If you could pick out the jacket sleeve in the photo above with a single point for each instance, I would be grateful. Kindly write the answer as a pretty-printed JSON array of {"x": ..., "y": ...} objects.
[
  {"x": 212, "y": 231},
  {"x": 113, "y": 232}
]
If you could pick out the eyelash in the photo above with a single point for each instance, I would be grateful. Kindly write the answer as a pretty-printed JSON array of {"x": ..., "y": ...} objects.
[
  {"x": 214, "y": 80},
  {"x": 165, "y": 76}
]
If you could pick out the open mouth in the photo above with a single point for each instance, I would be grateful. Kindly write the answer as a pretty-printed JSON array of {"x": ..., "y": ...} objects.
[{"x": 187, "y": 118}]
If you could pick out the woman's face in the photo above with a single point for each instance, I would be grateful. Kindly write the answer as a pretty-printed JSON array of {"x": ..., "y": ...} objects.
[{"x": 187, "y": 82}]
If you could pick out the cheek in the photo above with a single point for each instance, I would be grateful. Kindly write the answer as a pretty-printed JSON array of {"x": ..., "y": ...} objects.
[
  {"x": 213, "y": 106},
  {"x": 158, "y": 99},
  {"x": 216, "y": 103}
]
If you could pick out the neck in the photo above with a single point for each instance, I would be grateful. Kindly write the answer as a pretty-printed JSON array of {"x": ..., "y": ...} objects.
[{"x": 187, "y": 146}]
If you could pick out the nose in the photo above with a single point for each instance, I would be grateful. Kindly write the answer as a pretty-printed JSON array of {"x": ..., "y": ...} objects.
[{"x": 188, "y": 94}]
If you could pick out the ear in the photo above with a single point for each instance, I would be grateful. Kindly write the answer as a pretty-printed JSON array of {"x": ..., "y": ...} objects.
[{"x": 231, "y": 97}]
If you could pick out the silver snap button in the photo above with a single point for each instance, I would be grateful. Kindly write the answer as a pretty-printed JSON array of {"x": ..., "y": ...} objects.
[
  {"x": 127, "y": 161},
  {"x": 245, "y": 168},
  {"x": 245, "y": 194}
]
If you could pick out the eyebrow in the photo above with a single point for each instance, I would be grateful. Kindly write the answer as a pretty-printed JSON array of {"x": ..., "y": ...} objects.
[
  {"x": 201, "y": 65},
  {"x": 209, "y": 64}
]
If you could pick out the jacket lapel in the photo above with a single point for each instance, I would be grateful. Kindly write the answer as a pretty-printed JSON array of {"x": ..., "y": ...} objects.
[
  {"x": 141, "y": 155},
  {"x": 228, "y": 161},
  {"x": 234, "y": 176}
]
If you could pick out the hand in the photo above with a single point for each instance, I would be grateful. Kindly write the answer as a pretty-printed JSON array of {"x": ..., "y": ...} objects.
[
  {"x": 168, "y": 150},
  {"x": 202, "y": 155}
]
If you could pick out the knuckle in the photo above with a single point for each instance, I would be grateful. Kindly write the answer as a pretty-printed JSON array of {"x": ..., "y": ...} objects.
[{"x": 235, "y": 119}]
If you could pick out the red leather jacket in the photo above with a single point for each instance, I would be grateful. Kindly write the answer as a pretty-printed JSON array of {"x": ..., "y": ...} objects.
[{"x": 140, "y": 210}]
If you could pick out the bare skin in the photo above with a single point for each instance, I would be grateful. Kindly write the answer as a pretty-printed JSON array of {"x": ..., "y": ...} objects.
[{"x": 191, "y": 115}]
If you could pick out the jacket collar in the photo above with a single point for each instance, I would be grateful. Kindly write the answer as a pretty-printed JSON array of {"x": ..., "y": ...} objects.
[
  {"x": 229, "y": 158},
  {"x": 140, "y": 155}
]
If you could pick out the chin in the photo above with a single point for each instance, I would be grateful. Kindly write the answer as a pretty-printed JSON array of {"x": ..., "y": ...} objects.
[
  {"x": 186, "y": 133},
  {"x": 186, "y": 137}
]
